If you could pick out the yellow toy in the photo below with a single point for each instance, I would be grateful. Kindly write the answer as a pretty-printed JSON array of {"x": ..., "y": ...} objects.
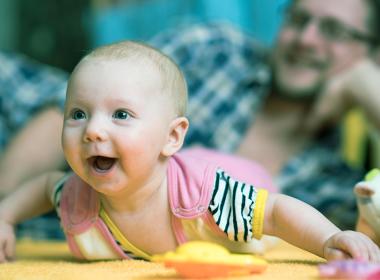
[{"x": 201, "y": 259}]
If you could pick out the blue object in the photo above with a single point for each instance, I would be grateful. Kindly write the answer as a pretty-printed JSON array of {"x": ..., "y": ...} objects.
[{"x": 141, "y": 20}]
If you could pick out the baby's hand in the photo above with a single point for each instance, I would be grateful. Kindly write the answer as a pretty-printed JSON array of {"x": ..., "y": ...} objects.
[
  {"x": 351, "y": 244},
  {"x": 7, "y": 242}
]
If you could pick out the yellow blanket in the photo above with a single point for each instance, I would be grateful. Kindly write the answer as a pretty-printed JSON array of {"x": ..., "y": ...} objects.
[{"x": 52, "y": 260}]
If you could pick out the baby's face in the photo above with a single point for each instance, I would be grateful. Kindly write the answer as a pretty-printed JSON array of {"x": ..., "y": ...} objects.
[{"x": 116, "y": 123}]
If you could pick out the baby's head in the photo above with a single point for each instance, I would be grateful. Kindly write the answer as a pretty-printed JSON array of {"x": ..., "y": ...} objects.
[
  {"x": 124, "y": 113},
  {"x": 172, "y": 82}
]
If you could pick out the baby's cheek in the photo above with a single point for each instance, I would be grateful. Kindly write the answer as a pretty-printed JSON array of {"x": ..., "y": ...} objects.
[
  {"x": 71, "y": 149},
  {"x": 71, "y": 138},
  {"x": 67, "y": 146}
]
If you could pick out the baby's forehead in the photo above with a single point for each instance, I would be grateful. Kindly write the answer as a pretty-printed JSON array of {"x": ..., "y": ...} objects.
[
  {"x": 127, "y": 62},
  {"x": 118, "y": 75},
  {"x": 131, "y": 68},
  {"x": 155, "y": 70}
]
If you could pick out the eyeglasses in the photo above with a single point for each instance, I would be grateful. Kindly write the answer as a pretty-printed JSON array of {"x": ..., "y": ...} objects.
[{"x": 330, "y": 28}]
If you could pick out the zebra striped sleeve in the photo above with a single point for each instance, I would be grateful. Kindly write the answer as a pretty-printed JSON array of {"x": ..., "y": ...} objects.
[{"x": 232, "y": 207}]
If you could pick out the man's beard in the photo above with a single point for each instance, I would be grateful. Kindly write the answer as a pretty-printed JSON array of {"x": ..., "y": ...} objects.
[{"x": 306, "y": 94}]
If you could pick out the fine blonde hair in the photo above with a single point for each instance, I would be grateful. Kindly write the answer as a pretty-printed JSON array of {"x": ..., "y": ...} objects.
[{"x": 173, "y": 81}]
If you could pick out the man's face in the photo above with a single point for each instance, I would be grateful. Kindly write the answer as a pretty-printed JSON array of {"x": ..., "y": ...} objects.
[{"x": 319, "y": 39}]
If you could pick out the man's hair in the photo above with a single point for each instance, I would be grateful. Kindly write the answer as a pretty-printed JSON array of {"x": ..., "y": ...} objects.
[{"x": 173, "y": 81}]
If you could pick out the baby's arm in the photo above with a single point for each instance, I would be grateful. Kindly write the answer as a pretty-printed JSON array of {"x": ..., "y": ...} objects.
[
  {"x": 303, "y": 226},
  {"x": 31, "y": 199}
]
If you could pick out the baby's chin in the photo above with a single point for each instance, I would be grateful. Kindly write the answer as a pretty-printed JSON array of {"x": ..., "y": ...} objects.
[{"x": 107, "y": 189}]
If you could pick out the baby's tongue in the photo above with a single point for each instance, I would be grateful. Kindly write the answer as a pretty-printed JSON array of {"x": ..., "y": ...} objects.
[{"x": 104, "y": 163}]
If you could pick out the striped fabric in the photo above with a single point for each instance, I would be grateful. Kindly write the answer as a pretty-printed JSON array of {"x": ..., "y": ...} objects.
[{"x": 232, "y": 206}]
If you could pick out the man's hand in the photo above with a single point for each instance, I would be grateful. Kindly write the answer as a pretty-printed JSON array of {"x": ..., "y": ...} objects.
[{"x": 357, "y": 87}]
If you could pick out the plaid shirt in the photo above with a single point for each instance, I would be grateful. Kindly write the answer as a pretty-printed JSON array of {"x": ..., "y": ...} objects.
[
  {"x": 228, "y": 78},
  {"x": 25, "y": 88}
]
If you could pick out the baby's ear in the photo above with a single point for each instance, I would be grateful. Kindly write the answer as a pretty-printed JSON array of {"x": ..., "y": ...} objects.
[{"x": 177, "y": 133}]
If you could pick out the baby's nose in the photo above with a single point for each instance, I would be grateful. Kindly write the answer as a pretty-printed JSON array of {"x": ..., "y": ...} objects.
[{"x": 95, "y": 132}]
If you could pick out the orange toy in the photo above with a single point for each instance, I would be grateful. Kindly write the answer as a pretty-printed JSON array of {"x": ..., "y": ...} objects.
[{"x": 200, "y": 259}]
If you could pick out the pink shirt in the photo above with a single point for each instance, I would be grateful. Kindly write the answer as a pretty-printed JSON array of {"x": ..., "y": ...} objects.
[{"x": 191, "y": 177}]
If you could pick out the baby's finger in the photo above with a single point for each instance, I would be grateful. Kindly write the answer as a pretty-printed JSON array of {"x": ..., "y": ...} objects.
[
  {"x": 351, "y": 244},
  {"x": 2, "y": 252},
  {"x": 367, "y": 249},
  {"x": 358, "y": 248},
  {"x": 375, "y": 255},
  {"x": 332, "y": 254},
  {"x": 9, "y": 248},
  {"x": 373, "y": 250}
]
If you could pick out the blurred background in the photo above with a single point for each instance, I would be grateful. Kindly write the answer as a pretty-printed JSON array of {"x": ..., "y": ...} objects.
[{"x": 60, "y": 32}]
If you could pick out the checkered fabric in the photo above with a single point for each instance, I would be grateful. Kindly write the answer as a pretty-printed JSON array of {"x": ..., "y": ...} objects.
[
  {"x": 227, "y": 78},
  {"x": 26, "y": 86}
]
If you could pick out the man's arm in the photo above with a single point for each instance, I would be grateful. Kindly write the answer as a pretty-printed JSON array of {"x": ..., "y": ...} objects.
[{"x": 35, "y": 149}]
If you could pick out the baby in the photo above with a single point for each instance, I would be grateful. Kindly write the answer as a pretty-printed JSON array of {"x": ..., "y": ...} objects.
[{"x": 132, "y": 195}]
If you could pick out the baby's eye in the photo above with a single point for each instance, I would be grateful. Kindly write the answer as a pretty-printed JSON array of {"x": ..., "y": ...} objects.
[
  {"x": 78, "y": 114},
  {"x": 121, "y": 114}
]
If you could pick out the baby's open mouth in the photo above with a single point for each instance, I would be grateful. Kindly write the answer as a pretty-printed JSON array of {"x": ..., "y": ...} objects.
[{"x": 102, "y": 164}]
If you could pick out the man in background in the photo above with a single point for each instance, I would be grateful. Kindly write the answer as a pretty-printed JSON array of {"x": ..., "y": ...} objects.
[{"x": 289, "y": 110}]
